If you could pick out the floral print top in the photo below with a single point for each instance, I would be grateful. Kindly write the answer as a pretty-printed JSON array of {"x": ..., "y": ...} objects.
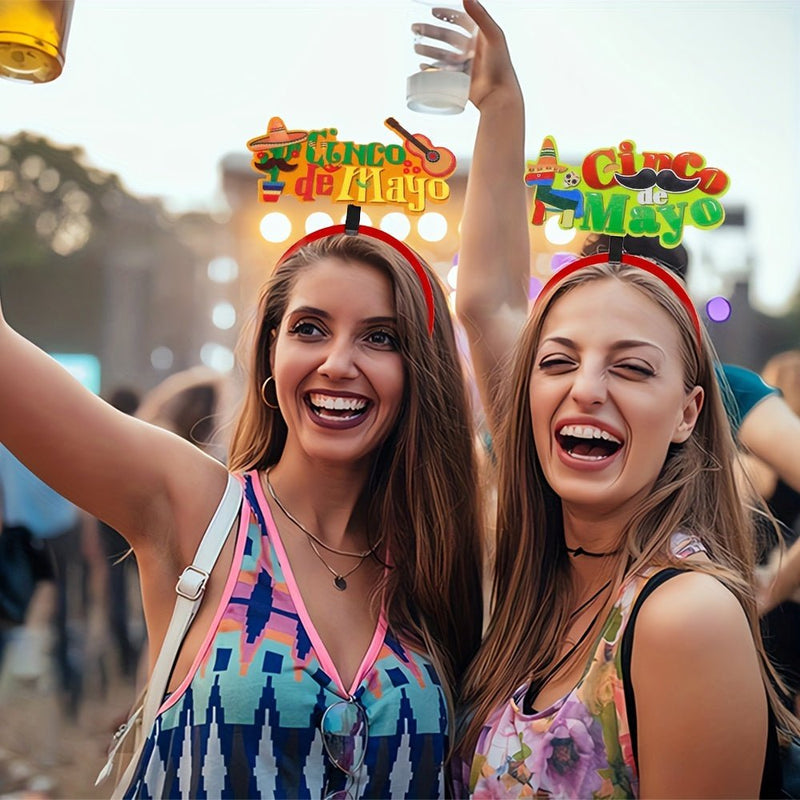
[{"x": 579, "y": 747}]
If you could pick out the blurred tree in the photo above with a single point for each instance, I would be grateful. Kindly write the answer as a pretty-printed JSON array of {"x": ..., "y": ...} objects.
[
  {"x": 50, "y": 202},
  {"x": 86, "y": 267}
]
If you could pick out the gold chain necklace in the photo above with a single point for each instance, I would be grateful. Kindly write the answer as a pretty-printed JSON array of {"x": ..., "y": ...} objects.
[{"x": 339, "y": 578}]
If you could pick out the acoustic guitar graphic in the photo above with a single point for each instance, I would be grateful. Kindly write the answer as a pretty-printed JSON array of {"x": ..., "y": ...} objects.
[{"x": 436, "y": 161}]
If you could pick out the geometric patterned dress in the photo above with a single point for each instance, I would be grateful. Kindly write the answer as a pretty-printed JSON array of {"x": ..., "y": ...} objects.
[{"x": 245, "y": 723}]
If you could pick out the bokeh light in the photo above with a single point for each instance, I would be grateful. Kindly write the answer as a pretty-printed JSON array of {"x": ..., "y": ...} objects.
[
  {"x": 718, "y": 309},
  {"x": 432, "y": 226},
  {"x": 223, "y": 269},
  {"x": 217, "y": 357},
  {"x": 275, "y": 227},
  {"x": 317, "y": 220},
  {"x": 452, "y": 276},
  {"x": 555, "y": 234},
  {"x": 162, "y": 358},
  {"x": 396, "y": 224},
  {"x": 560, "y": 260},
  {"x": 223, "y": 315}
]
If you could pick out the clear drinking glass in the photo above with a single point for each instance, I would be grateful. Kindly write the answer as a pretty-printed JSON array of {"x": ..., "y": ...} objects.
[{"x": 441, "y": 85}]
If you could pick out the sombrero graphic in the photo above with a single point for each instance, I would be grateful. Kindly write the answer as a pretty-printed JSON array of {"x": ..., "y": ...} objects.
[
  {"x": 547, "y": 161},
  {"x": 277, "y": 136}
]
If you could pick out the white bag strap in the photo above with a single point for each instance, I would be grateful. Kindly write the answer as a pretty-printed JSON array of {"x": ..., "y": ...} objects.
[{"x": 190, "y": 589}]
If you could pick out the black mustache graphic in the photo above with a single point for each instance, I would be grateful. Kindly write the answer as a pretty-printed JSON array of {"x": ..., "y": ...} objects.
[
  {"x": 281, "y": 163},
  {"x": 665, "y": 179}
]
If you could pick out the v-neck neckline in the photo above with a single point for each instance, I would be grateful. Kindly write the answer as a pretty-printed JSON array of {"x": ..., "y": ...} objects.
[{"x": 323, "y": 655}]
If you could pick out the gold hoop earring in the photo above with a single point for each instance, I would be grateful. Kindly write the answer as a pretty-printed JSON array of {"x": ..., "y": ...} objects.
[{"x": 264, "y": 394}]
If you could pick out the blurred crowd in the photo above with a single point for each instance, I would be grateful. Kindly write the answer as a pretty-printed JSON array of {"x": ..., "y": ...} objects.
[{"x": 73, "y": 650}]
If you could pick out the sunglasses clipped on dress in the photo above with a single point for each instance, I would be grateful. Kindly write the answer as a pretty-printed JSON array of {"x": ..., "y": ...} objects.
[{"x": 345, "y": 732}]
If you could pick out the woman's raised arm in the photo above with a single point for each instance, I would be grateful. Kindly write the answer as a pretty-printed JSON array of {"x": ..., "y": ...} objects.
[
  {"x": 142, "y": 481},
  {"x": 494, "y": 260}
]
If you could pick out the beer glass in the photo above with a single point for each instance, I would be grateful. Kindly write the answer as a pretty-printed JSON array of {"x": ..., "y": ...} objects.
[{"x": 33, "y": 38}]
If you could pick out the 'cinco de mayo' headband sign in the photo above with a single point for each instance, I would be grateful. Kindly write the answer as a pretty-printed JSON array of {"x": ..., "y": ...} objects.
[
  {"x": 619, "y": 191},
  {"x": 315, "y": 163}
]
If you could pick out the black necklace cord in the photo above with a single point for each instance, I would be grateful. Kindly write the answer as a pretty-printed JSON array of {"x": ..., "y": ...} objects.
[
  {"x": 579, "y": 551},
  {"x": 536, "y": 685}
]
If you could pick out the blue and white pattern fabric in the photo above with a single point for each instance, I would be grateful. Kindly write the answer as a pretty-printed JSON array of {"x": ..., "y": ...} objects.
[{"x": 245, "y": 721}]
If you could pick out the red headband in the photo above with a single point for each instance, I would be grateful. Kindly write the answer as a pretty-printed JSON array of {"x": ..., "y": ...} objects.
[
  {"x": 663, "y": 274},
  {"x": 406, "y": 252}
]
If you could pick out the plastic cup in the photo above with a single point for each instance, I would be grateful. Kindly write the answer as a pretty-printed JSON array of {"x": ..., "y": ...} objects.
[{"x": 441, "y": 86}]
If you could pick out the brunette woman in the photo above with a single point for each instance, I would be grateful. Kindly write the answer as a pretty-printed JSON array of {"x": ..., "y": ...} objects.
[
  {"x": 346, "y": 603},
  {"x": 617, "y": 511}
]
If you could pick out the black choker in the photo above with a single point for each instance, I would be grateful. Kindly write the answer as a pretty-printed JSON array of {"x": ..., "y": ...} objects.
[{"x": 579, "y": 551}]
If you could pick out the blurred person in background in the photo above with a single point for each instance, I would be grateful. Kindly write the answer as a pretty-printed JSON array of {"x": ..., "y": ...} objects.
[
  {"x": 197, "y": 404},
  {"x": 781, "y": 488},
  {"x": 779, "y": 575},
  {"x": 55, "y": 525},
  {"x": 187, "y": 403},
  {"x": 122, "y": 573}
]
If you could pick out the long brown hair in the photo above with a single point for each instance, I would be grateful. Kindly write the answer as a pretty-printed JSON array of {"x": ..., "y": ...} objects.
[
  {"x": 695, "y": 492},
  {"x": 422, "y": 491}
]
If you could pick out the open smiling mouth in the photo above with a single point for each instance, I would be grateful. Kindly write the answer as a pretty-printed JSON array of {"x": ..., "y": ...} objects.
[
  {"x": 339, "y": 409},
  {"x": 587, "y": 443}
]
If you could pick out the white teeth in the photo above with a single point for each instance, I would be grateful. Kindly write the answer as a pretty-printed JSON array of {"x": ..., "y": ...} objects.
[
  {"x": 337, "y": 403},
  {"x": 587, "y": 432}
]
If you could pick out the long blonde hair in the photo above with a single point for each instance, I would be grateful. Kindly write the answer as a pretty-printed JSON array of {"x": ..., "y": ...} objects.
[
  {"x": 695, "y": 492},
  {"x": 422, "y": 492}
]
